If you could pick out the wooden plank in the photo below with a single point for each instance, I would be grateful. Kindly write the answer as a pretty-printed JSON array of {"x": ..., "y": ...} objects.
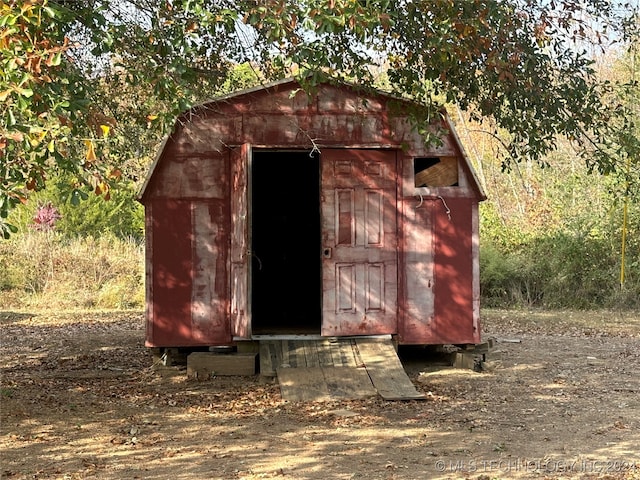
[
  {"x": 386, "y": 371},
  {"x": 346, "y": 352},
  {"x": 324, "y": 384},
  {"x": 285, "y": 361},
  {"x": 311, "y": 354},
  {"x": 442, "y": 174},
  {"x": 296, "y": 354},
  {"x": 356, "y": 355},
  {"x": 248, "y": 347},
  {"x": 337, "y": 354},
  {"x": 266, "y": 367},
  {"x": 470, "y": 361},
  {"x": 240, "y": 295},
  {"x": 348, "y": 383},
  {"x": 323, "y": 370},
  {"x": 324, "y": 353},
  {"x": 203, "y": 365},
  {"x": 303, "y": 384},
  {"x": 270, "y": 357}
]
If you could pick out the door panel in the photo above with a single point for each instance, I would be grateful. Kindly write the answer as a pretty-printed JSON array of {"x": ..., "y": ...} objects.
[
  {"x": 240, "y": 264},
  {"x": 345, "y": 216},
  {"x": 346, "y": 288},
  {"x": 374, "y": 218},
  {"x": 359, "y": 235},
  {"x": 375, "y": 287}
]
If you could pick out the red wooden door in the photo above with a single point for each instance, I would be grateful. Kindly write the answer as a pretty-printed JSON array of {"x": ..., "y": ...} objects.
[
  {"x": 359, "y": 242},
  {"x": 240, "y": 250}
]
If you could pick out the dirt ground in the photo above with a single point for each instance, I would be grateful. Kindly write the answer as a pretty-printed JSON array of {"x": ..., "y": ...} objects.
[{"x": 80, "y": 399}]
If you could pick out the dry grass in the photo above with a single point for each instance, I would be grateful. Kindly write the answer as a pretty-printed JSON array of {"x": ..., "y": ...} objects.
[
  {"x": 46, "y": 270},
  {"x": 563, "y": 322}
]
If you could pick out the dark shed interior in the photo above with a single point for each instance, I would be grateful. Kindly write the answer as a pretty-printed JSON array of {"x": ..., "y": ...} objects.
[{"x": 285, "y": 242}]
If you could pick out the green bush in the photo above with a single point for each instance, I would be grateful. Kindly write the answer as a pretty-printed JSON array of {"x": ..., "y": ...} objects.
[
  {"x": 121, "y": 215},
  {"x": 558, "y": 270}
]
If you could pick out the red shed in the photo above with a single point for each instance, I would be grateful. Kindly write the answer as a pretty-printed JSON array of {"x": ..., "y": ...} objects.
[{"x": 271, "y": 212}]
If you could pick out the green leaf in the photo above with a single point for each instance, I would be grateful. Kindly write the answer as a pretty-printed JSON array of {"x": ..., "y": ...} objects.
[
  {"x": 77, "y": 196},
  {"x": 8, "y": 20},
  {"x": 23, "y": 103},
  {"x": 49, "y": 11},
  {"x": 25, "y": 92},
  {"x": 56, "y": 59},
  {"x": 26, "y": 77}
]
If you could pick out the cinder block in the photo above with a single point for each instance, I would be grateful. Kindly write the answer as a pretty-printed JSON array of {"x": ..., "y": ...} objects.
[
  {"x": 468, "y": 361},
  {"x": 248, "y": 347},
  {"x": 204, "y": 365}
]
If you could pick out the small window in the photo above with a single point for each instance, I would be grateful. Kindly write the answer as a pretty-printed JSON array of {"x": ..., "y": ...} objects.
[{"x": 435, "y": 171}]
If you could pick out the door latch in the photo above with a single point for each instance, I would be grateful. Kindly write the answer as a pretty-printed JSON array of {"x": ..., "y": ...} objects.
[{"x": 326, "y": 253}]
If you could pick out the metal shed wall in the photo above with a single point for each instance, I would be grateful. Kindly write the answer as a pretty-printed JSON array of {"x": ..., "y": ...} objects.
[{"x": 192, "y": 208}]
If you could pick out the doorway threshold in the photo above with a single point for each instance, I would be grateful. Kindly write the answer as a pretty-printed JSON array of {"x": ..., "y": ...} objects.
[
  {"x": 311, "y": 336},
  {"x": 291, "y": 336}
]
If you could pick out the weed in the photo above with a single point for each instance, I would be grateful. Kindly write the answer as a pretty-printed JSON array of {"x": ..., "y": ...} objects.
[{"x": 6, "y": 392}]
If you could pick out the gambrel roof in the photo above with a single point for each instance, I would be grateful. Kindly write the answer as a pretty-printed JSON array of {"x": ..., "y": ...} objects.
[{"x": 281, "y": 115}]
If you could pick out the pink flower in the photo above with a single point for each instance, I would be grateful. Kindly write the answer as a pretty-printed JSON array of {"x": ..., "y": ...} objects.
[{"x": 46, "y": 217}]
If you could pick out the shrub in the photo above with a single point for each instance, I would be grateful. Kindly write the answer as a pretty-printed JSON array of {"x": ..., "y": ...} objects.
[
  {"x": 558, "y": 270},
  {"x": 121, "y": 215}
]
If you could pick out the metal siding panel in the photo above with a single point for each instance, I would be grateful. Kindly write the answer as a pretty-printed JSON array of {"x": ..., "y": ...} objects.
[
  {"x": 193, "y": 177},
  {"x": 203, "y": 270},
  {"x": 203, "y": 135},
  {"x": 475, "y": 255},
  {"x": 417, "y": 272},
  {"x": 332, "y": 99},
  {"x": 273, "y": 129},
  {"x": 453, "y": 290},
  {"x": 284, "y": 101},
  {"x": 172, "y": 273},
  {"x": 210, "y": 292},
  {"x": 149, "y": 313}
]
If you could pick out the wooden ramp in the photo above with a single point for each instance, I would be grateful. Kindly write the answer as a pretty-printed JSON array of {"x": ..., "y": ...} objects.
[
  {"x": 320, "y": 370},
  {"x": 324, "y": 383},
  {"x": 386, "y": 371}
]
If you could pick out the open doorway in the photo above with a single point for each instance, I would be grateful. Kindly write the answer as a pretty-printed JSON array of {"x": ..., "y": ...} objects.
[{"x": 286, "y": 279}]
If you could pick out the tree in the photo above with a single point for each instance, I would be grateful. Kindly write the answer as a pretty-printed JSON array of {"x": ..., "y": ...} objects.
[{"x": 524, "y": 64}]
